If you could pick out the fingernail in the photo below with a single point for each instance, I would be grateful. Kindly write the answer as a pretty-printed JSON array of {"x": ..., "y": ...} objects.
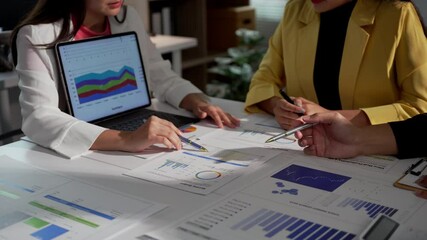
[
  {"x": 420, "y": 193},
  {"x": 422, "y": 181}
]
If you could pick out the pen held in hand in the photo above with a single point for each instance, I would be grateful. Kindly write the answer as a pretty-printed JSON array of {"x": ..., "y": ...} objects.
[
  {"x": 290, "y": 132},
  {"x": 288, "y": 99},
  {"x": 195, "y": 145}
]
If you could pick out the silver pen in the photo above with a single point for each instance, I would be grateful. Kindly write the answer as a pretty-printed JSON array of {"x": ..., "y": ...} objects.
[{"x": 290, "y": 132}]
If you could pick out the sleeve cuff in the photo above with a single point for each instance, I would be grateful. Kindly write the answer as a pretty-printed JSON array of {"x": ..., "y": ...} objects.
[
  {"x": 259, "y": 94},
  {"x": 78, "y": 139},
  {"x": 382, "y": 114}
]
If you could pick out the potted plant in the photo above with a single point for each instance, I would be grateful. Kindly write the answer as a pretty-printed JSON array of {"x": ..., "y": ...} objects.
[{"x": 236, "y": 70}]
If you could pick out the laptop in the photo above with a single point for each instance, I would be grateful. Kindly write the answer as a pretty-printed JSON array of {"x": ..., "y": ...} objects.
[{"x": 106, "y": 84}]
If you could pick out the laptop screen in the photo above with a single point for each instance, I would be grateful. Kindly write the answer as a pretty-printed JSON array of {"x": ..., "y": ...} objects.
[{"x": 103, "y": 76}]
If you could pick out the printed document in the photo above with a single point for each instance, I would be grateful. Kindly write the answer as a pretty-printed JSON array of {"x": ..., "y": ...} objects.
[{"x": 36, "y": 204}]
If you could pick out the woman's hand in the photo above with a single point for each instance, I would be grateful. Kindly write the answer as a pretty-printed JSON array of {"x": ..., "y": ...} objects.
[
  {"x": 221, "y": 118},
  {"x": 337, "y": 137},
  {"x": 334, "y": 136},
  {"x": 202, "y": 108},
  {"x": 154, "y": 131},
  {"x": 422, "y": 181},
  {"x": 287, "y": 114},
  {"x": 309, "y": 106}
]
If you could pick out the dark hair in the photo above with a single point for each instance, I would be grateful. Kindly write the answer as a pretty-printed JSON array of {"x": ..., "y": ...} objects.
[{"x": 49, "y": 11}]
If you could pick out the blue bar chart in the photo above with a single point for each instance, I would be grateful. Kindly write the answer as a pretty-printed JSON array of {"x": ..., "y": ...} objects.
[
  {"x": 50, "y": 232},
  {"x": 371, "y": 209},
  {"x": 173, "y": 164},
  {"x": 36, "y": 227},
  {"x": 273, "y": 223}
]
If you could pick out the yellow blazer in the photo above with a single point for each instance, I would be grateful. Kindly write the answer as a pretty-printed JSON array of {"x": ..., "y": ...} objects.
[{"x": 383, "y": 67}]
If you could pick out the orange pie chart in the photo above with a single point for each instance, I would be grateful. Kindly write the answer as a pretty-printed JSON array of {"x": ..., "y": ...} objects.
[{"x": 189, "y": 129}]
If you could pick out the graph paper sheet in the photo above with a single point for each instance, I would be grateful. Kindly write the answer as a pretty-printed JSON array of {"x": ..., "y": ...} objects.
[
  {"x": 302, "y": 199},
  {"x": 203, "y": 172},
  {"x": 36, "y": 204}
]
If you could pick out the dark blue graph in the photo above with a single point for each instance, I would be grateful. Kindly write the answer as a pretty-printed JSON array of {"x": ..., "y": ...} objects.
[
  {"x": 312, "y": 177},
  {"x": 272, "y": 223},
  {"x": 280, "y": 189},
  {"x": 372, "y": 209}
]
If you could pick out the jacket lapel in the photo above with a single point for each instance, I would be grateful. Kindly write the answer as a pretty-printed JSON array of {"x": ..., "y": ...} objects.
[
  {"x": 358, "y": 32},
  {"x": 306, "y": 49}
]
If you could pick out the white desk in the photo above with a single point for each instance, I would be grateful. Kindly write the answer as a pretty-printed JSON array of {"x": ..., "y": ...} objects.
[
  {"x": 180, "y": 203},
  {"x": 174, "y": 45}
]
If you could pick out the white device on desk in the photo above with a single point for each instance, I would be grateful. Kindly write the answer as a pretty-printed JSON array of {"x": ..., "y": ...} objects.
[{"x": 381, "y": 228}]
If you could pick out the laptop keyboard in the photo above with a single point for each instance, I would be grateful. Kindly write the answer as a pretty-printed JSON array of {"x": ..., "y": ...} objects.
[{"x": 134, "y": 121}]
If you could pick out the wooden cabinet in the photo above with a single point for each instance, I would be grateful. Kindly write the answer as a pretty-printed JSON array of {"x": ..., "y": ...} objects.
[{"x": 191, "y": 19}]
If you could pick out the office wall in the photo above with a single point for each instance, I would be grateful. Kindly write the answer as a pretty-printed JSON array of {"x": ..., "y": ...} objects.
[
  {"x": 142, "y": 7},
  {"x": 11, "y": 12},
  {"x": 422, "y": 7},
  {"x": 268, "y": 15}
]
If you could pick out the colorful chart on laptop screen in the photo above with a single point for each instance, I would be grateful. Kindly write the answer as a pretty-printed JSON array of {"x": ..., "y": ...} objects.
[
  {"x": 95, "y": 86},
  {"x": 103, "y": 76}
]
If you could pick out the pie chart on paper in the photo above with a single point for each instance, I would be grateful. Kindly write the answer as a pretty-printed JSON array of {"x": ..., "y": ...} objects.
[
  {"x": 189, "y": 129},
  {"x": 208, "y": 175}
]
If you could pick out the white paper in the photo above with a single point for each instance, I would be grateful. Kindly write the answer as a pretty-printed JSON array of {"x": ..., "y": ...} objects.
[
  {"x": 125, "y": 160},
  {"x": 255, "y": 134},
  {"x": 131, "y": 161},
  {"x": 303, "y": 199},
  {"x": 46, "y": 206},
  {"x": 374, "y": 163},
  {"x": 202, "y": 172}
]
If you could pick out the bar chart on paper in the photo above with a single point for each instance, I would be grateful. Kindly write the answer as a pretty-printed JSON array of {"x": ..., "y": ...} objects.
[
  {"x": 345, "y": 195},
  {"x": 24, "y": 226},
  {"x": 243, "y": 216},
  {"x": 273, "y": 223},
  {"x": 195, "y": 172},
  {"x": 296, "y": 202},
  {"x": 173, "y": 165},
  {"x": 371, "y": 209},
  {"x": 41, "y": 205},
  {"x": 201, "y": 172}
]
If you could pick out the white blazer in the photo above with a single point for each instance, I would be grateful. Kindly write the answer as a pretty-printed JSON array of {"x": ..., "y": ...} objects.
[{"x": 44, "y": 121}]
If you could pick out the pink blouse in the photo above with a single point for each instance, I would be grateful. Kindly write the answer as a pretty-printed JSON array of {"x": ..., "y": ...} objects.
[{"x": 85, "y": 32}]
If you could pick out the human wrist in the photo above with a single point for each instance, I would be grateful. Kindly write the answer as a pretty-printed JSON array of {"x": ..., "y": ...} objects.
[
  {"x": 112, "y": 140},
  {"x": 124, "y": 141},
  {"x": 193, "y": 101},
  {"x": 364, "y": 141},
  {"x": 376, "y": 139},
  {"x": 269, "y": 105},
  {"x": 357, "y": 117}
]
